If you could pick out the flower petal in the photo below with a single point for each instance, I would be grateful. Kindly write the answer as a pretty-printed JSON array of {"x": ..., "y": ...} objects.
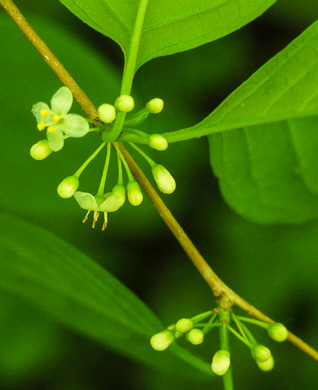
[
  {"x": 61, "y": 101},
  {"x": 38, "y": 108},
  {"x": 55, "y": 138},
  {"x": 86, "y": 200},
  {"x": 111, "y": 204},
  {"x": 75, "y": 125}
]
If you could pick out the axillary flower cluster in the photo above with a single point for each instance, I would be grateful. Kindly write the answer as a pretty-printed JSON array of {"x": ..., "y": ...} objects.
[
  {"x": 60, "y": 125},
  {"x": 196, "y": 328}
]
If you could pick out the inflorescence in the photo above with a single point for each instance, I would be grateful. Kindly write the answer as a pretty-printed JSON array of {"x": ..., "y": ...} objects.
[
  {"x": 196, "y": 328},
  {"x": 60, "y": 125}
]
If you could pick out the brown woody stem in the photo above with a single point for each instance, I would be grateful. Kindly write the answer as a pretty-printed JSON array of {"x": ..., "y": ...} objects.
[{"x": 218, "y": 287}]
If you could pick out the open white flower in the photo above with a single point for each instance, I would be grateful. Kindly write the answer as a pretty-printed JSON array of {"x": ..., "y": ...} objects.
[
  {"x": 107, "y": 203},
  {"x": 57, "y": 120}
]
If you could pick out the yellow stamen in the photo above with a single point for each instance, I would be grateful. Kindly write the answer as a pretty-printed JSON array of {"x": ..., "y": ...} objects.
[
  {"x": 41, "y": 126},
  {"x": 56, "y": 118},
  {"x": 44, "y": 113},
  {"x": 105, "y": 221},
  {"x": 51, "y": 129},
  {"x": 95, "y": 220},
  {"x": 86, "y": 217}
]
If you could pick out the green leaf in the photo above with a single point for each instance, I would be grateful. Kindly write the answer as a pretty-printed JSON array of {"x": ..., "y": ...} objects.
[
  {"x": 268, "y": 173},
  {"x": 267, "y": 166},
  {"x": 54, "y": 276},
  {"x": 285, "y": 87},
  {"x": 170, "y": 26}
]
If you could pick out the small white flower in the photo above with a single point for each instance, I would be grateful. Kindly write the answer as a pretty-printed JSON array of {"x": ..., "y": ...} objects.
[
  {"x": 107, "y": 203},
  {"x": 57, "y": 120}
]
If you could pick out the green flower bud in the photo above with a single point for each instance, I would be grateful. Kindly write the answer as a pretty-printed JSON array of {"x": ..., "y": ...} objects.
[
  {"x": 125, "y": 103},
  {"x": 158, "y": 142},
  {"x": 161, "y": 341},
  {"x": 261, "y": 353},
  {"x": 278, "y": 332},
  {"x": 267, "y": 365},
  {"x": 68, "y": 187},
  {"x": 184, "y": 325},
  {"x": 134, "y": 193},
  {"x": 164, "y": 179},
  {"x": 40, "y": 150},
  {"x": 221, "y": 362},
  {"x": 195, "y": 336},
  {"x": 154, "y": 106},
  {"x": 107, "y": 113}
]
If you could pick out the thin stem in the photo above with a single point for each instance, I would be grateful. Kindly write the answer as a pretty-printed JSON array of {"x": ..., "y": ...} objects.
[
  {"x": 249, "y": 334},
  {"x": 129, "y": 70},
  {"x": 239, "y": 325},
  {"x": 120, "y": 170},
  {"x": 244, "y": 340},
  {"x": 143, "y": 154},
  {"x": 101, "y": 187},
  {"x": 133, "y": 135},
  {"x": 90, "y": 158},
  {"x": 136, "y": 131},
  {"x": 210, "y": 323},
  {"x": 217, "y": 286},
  {"x": 202, "y": 316},
  {"x": 119, "y": 153},
  {"x": 253, "y": 321},
  {"x": 225, "y": 345}
]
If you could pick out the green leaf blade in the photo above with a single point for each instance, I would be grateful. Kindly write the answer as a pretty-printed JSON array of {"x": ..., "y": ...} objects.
[
  {"x": 265, "y": 172},
  {"x": 42, "y": 269},
  {"x": 263, "y": 138},
  {"x": 170, "y": 26},
  {"x": 305, "y": 138},
  {"x": 175, "y": 26},
  {"x": 286, "y": 87}
]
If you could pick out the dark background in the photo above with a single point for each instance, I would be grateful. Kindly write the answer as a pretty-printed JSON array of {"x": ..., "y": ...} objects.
[{"x": 273, "y": 267}]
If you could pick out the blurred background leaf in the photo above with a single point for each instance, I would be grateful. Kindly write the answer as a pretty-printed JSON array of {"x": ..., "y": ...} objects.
[
  {"x": 79, "y": 293},
  {"x": 136, "y": 247}
]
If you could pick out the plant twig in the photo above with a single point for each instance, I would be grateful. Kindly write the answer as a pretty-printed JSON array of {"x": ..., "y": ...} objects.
[{"x": 218, "y": 287}]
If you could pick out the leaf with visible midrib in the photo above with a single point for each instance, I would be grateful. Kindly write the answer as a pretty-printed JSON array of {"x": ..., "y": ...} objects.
[
  {"x": 264, "y": 137},
  {"x": 285, "y": 87},
  {"x": 268, "y": 172},
  {"x": 170, "y": 26},
  {"x": 39, "y": 267}
]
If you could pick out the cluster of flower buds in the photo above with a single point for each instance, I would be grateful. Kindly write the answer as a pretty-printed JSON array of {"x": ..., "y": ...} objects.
[
  {"x": 197, "y": 327},
  {"x": 61, "y": 125},
  {"x": 261, "y": 354},
  {"x": 188, "y": 327}
]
